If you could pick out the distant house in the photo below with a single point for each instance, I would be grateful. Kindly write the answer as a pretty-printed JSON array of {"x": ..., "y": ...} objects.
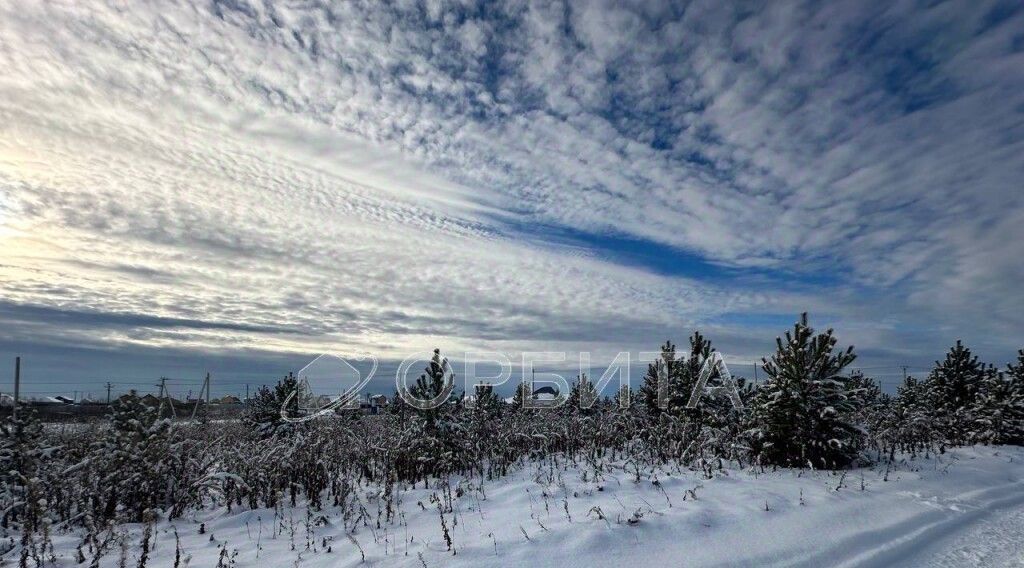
[
  {"x": 228, "y": 399},
  {"x": 124, "y": 398},
  {"x": 546, "y": 396},
  {"x": 64, "y": 399},
  {"x": 150, "y": 400},
  {"x": 373, "y": 404},
  {"x": 324, "y": 400},
  {"x": 44, "y": 401},
  {"x": 545, "y": 393}
]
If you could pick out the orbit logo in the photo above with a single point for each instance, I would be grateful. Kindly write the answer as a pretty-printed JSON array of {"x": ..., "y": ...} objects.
[
  {"x": 327, "y": 384},
  {"x": 331, "y": 382}
]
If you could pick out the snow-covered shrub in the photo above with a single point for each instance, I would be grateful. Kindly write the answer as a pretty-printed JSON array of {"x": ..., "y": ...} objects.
[
  {"x": 136, "y": 462},
  {"x": 139, "y": 465},
  {"x": 906, "y": 425},
  {"x": 21, "y": 456}
]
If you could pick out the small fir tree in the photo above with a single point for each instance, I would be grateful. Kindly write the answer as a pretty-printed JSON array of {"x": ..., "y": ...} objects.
[
  {"x": 954, "y": 390},
  {"x": 1000, "y": 409},
  {"x": 582, "y": 397},
  {"x": 263, "y": 413},
  {"x": 432, "y": 393},
  {"x": 521, "y": 395},
  {"x": 802, "y": 415}
]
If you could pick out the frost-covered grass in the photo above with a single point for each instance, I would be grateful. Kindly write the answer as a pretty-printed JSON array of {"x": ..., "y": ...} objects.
[{"x": 554, "y": 513}]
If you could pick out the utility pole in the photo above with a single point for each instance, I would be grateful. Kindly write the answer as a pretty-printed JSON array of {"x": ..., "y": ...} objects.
[
  {"x": 206, "y": 387},
  {"x": 17, "y": 386},
  {"x": 904, "y": 373},
  {"x": 160, "y": 397},
  {"x": 755, "y": 373},
  {"x": 247, "y": 393},
  {"x": 108, "y": 393}
]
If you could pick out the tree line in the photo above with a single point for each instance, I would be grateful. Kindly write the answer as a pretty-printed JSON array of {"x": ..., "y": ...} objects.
[{"x": 810, "y": 412}]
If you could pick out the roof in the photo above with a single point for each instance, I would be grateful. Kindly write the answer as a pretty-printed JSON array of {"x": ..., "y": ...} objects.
[
  {"x": 546, "y": 390},
  {"x": 44, "y": 400}
]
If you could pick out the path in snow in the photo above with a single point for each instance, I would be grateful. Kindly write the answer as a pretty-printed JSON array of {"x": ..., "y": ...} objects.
[
  {"x": 980, "y": 527},
  {"x": 995, "y": 541}
]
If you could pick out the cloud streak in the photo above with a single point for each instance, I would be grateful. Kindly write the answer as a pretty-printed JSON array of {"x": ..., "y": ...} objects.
[{"x": 371, "y": 173}]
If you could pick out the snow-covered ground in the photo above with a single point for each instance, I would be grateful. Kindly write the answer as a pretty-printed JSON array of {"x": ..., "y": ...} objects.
[{"x": 962, "y": 508}]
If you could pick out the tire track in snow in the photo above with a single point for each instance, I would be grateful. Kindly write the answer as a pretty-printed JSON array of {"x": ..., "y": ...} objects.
[
  {"x": 926, "y": 538},
  {"x": 996, "y": 542}
]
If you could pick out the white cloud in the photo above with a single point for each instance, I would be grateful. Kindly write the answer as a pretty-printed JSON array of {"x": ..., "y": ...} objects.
[{"x": 345, "y": 168}]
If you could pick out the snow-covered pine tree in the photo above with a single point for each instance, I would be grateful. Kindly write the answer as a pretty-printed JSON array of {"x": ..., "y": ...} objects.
[
  {"x": 716, "y": 413},
  {"x": 1000, "y": 410},
  {"x": 521, "y": 395},
  {"x": 873, "y": 405},
  {"x": 433, "y": 389},
  {"x": 399, "y": 408},
  {"x": 676, "y": 431},
  {"x": 263, "y": 413},
  {"x": 484, "y": 426},
  {"x": 582, "y": 398},
  {"x": 989, "y": 412},
  {"x": 624, "y": 397},
  {"x": 658, "y": 372},
  {"x": 21, "y": 453},
  {"x": 907, "y": 425},
  {"x": 486, "y": 401},
  {"x": 803, "y": 414},
  {"x": 954, "y": 390},
  {"x": 137, "y": 461},
  {"x": 700, "y": 350},
  {"x": 681, "y": 376},
  {"x": 438, "y": 434},
  {"x": 1014, "y": 417}
]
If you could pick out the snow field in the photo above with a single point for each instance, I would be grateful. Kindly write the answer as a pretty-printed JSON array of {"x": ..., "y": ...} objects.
[{"x": 963, "y": 507}]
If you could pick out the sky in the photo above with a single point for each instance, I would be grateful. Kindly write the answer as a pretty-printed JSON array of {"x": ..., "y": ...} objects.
[{"x": 238, "y": 186}]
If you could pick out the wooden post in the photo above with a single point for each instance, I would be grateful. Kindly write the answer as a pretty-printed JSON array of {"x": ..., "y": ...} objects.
[
  {"x": 17, "y": 386},
  {"x": 207, "y": 409},
  {"x": 199, "y": 398},
  {"x": 108, "y": 393}
]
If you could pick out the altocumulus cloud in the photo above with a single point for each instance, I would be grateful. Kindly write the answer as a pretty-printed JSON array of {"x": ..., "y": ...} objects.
[{"x": 305, "y": 176}]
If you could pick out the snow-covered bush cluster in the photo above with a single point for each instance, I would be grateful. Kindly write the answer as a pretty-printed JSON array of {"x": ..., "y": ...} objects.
[{"x": 809, "y": 413}]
